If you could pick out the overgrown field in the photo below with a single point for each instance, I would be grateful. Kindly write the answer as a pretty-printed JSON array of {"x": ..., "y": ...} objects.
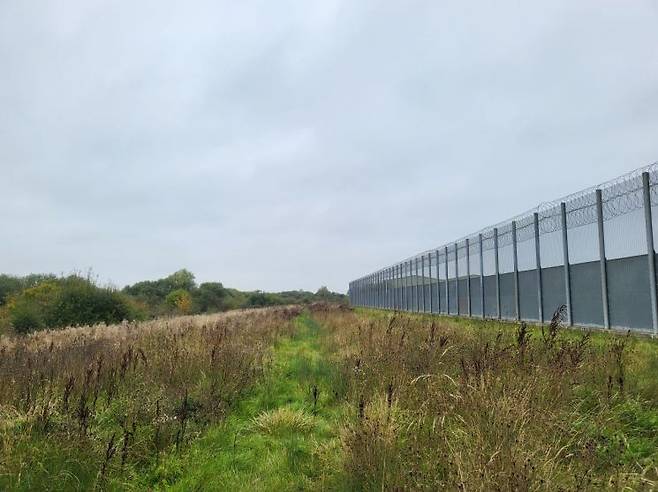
[
  {"x": 88, "y": 408},
  {"x": 472, "y": 405},
  {"x": 328, "y": 399}
]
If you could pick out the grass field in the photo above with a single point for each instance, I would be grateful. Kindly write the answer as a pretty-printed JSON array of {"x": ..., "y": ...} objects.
[{"x": 328, "y": 399}]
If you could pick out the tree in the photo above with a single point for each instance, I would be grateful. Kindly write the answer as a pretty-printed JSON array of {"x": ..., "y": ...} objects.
[
  {"x": 261, "y": 299},
  {"x": 323, "y": 293},
  {"x": 180, "y": 300},
  {"x": 182, "y": 279},
  {"x": 210, "y": 296}
]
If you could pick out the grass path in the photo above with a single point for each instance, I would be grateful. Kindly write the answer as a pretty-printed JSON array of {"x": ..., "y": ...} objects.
[{"x": 279, "y": 437}]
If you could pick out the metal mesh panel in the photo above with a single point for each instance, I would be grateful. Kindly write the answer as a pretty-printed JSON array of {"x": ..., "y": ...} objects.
[
  {"x": 474, "y": 257},
  {"x": 507, "y": 298},
  {"x": 453, "y": 296},
  {"x": 628, "y": 285},
  {"x": 624, "y": 235},
  {"x": 463, "y": 298},
  {"x": 476, "y": 307},
  {"x": 490, "y": 303},
  {"x": 451, "y": 262},
  {"x": 506, "y": 258},
  {"x": 461, "y": 260},
  {"x": 551, "y": 252},
  {"x": 627, "y": 216},
  {"x": 586, "y": 293},
  {"x": 528, "y": 295},
  {"x": 526, "y": 254}
]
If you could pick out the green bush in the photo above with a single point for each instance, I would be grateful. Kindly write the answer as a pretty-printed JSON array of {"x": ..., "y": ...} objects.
[
  {"x": 210, "y": 297},
  {"x": 69, "y": 301},
  {"x": 179, "y": 300},
  {"x": 26, "y": 316},
  {"x": 80, "y": 302}
]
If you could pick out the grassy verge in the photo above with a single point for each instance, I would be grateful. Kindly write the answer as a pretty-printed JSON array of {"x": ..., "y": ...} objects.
[
  {"x": 282, "y": 437},
  {"x": 456, "y": 404}
]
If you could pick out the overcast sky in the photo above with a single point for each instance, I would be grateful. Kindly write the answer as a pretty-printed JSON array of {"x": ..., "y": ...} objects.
[{"x": 291, "y": 144}]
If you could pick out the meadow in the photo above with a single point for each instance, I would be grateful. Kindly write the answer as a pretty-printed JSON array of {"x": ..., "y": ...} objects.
[{"x": 328, "y": 398}]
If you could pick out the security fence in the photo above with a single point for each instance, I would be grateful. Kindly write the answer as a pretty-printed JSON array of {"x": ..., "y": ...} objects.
[{"x": 592, "y": 251}]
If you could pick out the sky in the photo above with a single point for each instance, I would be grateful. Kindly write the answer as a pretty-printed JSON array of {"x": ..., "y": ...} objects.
[{"x": 294, "y": 144}]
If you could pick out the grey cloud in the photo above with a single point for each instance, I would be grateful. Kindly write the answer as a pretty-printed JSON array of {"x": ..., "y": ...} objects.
[{"x": 283, "y": 145}]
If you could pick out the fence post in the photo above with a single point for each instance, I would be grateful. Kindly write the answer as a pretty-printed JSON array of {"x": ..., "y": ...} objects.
[
  {"x": 371, "y": 302},
  {"x": 417, "y": 303},
  {"x": 468, "y": 276},
  {"x": 387, "y": 283},
  {"x": 515, "y": 254},
  {"x": 481, "y": 276},
  {"x": 602, "y": 259},
  {"x": 457, "y": 278},
  {"x": 438, "y": 283},
  {"x": 429, "y": 266},
  {"x": 497, "y": 272},
  {"x": 372, "y": 291},
  {"x": 403, "y": 285},
  {"x": 540, "y": 294},
  {"x": 387, "y": 290},
  {"x": 396, "y": 275},
  {"x": 391, "y": 290},
  {"x": 364, "y": 292},
  {"x": 422, "y": 266},
  {"x": 396, "y": 293},
  {"x": 410, "y": 285},
  {"x": 378, "y": 286},
  {"x": 380, "y": 291},
  {"x": 445, "y": 250},
  {"x": 651, "y": 253},
  {"x": 403, "y": 295},
  {"x": 567, "y": 270},
  {"x": 409, "y": 282}
]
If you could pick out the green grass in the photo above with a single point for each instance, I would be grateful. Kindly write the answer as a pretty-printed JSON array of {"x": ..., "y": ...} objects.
[{"x": 278, "y": 438}]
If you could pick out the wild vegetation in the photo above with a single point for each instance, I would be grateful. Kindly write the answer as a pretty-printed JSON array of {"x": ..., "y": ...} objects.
[
  {"x": 36, "y": 302},
  {"x": 471, "y": 405},
  {"x": 327, "y": 398},
  {"x": 88, "y": 408}
]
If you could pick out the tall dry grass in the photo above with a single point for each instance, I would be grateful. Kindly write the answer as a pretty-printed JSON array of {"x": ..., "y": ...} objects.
[
  {"x": 485, "y": 406},
  {"x": 82, "y": 406}
]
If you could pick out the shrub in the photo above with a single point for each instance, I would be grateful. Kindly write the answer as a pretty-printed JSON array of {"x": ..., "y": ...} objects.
[
  {"x": 26, "y": 316},
  {"x": 70, "y": 301},
  {"x": 209, "y": 297},
  {"x": 180, "y": 300},
  {"x": 80, "y": 302}
]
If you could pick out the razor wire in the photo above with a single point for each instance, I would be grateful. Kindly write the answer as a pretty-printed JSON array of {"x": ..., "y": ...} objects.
[{"x": 620, "y": 196}]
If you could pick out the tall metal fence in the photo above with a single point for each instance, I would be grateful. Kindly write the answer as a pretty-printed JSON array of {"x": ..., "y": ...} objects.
[{"x": 592, "y": 251}]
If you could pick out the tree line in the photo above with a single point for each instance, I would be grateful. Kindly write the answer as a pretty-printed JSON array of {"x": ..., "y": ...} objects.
[{"x": 45, "y": 301}]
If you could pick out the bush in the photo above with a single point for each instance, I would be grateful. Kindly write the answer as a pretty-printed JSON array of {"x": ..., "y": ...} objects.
[
  {"x": 25, "y": 317},
  {"x": 180, "y": 300},
  {"x": 80, "y": 302},
  {"x": 70, "y": 301},
  {"x": 209, "y": 297}
]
